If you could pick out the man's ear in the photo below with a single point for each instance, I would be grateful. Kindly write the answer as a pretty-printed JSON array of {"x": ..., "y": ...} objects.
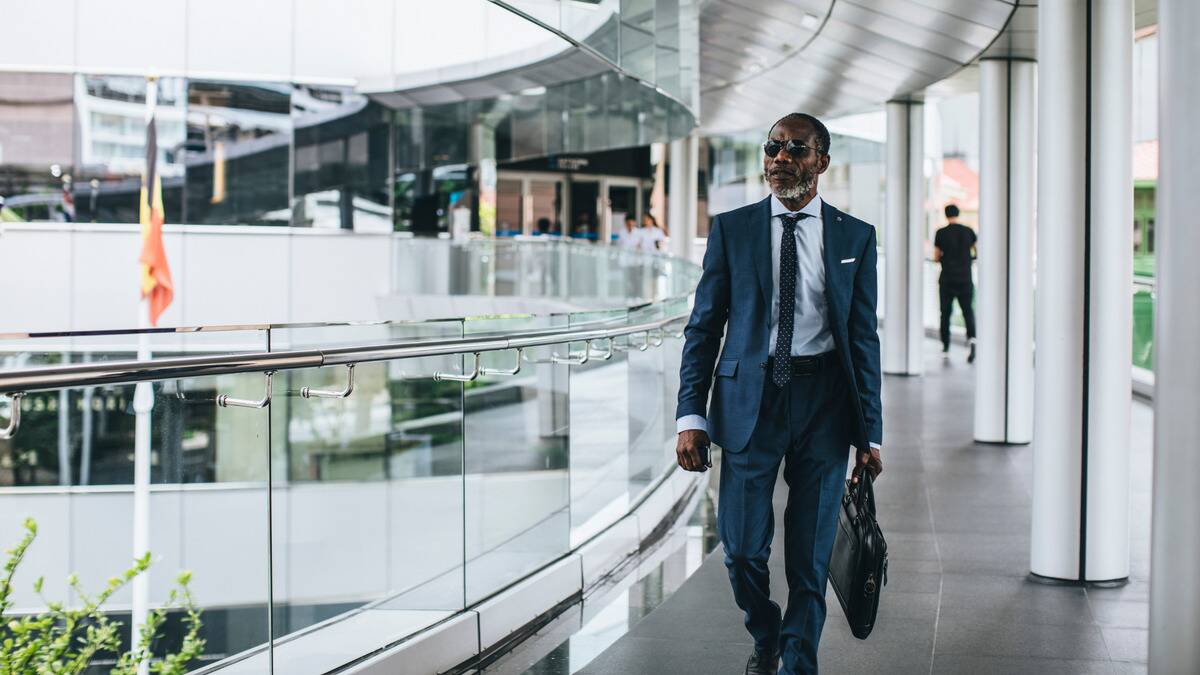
[{"x": 823, "y": 163}]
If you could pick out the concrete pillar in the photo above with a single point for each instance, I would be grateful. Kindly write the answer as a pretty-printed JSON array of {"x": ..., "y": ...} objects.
[
  {"x": 1175, "y": 543},
  {"x": 681, "y": 211},
  {"x": 904, "y": 239},
  {"x": 1007, "y": 138},
  {"x": 1084, "y": 299}
]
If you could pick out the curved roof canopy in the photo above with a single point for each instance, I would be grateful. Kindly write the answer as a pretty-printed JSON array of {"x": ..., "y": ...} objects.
[{"x": 760, "y": 59}]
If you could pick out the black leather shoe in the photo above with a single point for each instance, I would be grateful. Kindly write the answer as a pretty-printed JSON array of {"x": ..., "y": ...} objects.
[
  {"x": 971, "y": 355},
  {"x": 763, "y": 662}
]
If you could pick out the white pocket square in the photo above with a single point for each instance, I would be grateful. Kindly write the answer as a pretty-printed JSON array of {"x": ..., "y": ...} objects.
[{"x": 849, "y": 260}]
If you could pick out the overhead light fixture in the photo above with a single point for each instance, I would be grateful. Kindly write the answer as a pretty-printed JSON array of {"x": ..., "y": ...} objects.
[
  {"x": 533, "y": 91},
  {"x": 810, "y": 21}
]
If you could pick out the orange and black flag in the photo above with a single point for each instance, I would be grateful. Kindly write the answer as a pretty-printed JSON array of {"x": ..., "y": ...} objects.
[{"x": 157, "y": 286}]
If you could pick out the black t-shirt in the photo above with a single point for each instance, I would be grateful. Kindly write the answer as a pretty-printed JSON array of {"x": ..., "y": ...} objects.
[{"x": 956, "y": 241}]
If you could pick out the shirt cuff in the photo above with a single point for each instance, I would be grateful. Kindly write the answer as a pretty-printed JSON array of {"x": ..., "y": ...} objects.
[
  {"x": 690, "y": 422},
  {"x": 875, "y": 446}
]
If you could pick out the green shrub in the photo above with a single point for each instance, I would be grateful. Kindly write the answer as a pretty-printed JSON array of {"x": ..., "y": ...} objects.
[{"x": 64, "y": 639}]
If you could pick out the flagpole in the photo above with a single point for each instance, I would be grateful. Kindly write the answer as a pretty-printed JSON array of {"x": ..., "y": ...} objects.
[{"x": 143, "y": 404}]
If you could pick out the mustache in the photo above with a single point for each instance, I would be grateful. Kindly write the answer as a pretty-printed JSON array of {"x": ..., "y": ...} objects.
[{"x": 802, "y": 176}]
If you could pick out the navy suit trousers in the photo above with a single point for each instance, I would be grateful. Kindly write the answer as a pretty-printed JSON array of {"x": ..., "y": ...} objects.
[{"x": 806, "y": 425}]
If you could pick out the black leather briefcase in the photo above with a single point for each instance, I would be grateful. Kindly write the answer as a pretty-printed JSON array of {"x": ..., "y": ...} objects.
[{"x": 858, "y": 566}]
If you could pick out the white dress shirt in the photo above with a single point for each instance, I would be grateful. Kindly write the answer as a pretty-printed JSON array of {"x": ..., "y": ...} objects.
[{"x": 811, "y": 334}]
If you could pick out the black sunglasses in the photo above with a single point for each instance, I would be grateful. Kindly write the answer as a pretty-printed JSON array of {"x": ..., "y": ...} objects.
[{"x": 794, "y": 148}]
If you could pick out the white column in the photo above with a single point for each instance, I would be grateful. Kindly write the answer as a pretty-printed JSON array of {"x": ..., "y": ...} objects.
[
  {"x": 1007, "y": 175},
  {"x": 1084, "y": 298},
  {"x": 904, "y": 239},
  {"x": 681, "y": 211},
  {"x": 1174, "y": 586}
]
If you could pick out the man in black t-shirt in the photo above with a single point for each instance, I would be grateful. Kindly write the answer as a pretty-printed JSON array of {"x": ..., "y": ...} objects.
[{"x": 954, "y": 248}]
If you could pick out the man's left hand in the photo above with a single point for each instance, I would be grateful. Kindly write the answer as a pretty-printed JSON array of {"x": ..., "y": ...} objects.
[{"x": 869, "y": 461}]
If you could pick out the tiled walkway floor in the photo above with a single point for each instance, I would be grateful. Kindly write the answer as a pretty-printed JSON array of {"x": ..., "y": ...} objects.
[{"x": 956, "y": 516}]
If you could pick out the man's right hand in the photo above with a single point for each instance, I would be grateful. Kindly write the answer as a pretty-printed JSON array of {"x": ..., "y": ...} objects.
[{"x": 691, "y": 449}]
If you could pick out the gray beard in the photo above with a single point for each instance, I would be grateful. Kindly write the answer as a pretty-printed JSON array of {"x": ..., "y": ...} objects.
[{"x": 797, "y": 191}]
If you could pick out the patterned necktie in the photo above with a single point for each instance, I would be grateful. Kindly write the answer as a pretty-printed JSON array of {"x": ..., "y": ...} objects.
[{"x": 788, "y": 269}]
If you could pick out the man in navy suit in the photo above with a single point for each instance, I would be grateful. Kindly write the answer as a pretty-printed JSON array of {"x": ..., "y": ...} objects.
[{"x": 797, "y": 383}]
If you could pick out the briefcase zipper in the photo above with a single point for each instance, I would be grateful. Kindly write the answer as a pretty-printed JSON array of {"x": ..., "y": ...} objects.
[{"x": 869, "y": 587}]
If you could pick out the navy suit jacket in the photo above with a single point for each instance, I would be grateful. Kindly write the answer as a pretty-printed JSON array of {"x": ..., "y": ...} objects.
[{"x": 735, "y": 291}]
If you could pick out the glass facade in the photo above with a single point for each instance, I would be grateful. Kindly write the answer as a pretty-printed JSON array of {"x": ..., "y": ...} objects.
[
  {"x": 414, "y": 493},
  {"x": 72, "y": 146},
  {"x": 854, "y": 181}
]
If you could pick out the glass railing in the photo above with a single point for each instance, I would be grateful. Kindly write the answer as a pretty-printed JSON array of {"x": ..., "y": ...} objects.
[{"x": 390, "y": 478}]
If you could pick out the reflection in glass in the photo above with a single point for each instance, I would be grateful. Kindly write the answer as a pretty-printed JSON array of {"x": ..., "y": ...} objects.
[
  {"x": 649, "y": 420},
  {"x": 353, "y": 473},
  {"x": 517, "y": 440},
  {"x": 37, "y": 135},
  {"x": 112, "y": 146},
  {"x": 217, "y": 533},
  {"x": 595, "y": 23},
  {"x": 238, "y": 158},
  {"x": 600, "y": 436},
  {"x": 637, "y": 38},
  {"x": 84, "y": 436},
  {"x": 341, "y": 160}
]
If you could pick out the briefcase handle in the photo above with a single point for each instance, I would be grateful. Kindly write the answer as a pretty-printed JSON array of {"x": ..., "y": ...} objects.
[{"x": 861, "y": 494}]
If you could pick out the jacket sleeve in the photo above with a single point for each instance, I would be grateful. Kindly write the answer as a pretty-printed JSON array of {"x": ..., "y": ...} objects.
[
  {"x": 702, "y": 336},
  {"x": 864, "y": 341}
]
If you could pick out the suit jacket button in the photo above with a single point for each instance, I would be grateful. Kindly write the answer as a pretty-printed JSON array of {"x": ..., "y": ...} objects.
[{"x": 763, "y": 365}]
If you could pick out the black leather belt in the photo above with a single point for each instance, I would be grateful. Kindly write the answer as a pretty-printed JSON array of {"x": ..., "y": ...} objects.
[{"x": 802, "y": 365}]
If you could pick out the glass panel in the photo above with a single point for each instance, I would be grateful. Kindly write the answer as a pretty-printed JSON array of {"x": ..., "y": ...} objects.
[
  {"x": 666, "y": 36},
  {"x": 1143, "y": 326},
  {"x": 82, "y": 436},
  {"x": 517, "y": 440},
  {"x": 239, "y": 138},
  {"x": 622, "y": 199},
  {"x": 599, "y": 414},
  {"x": 508, "y": 207},
  {"x": 594, "y": 23},
  {"x": 368, "y": 497},
  {"x": 341, "y": 160},
  {"x": 37, "y": 133},
  {"x": 584, "y": 198},
  {"x": 545, "y": 197},
  {"x": 217, "y": 532},
  {"x": 637, "y": 38},
  {"x": 648, "y": 425},
  {"x": 112, "y": 152}
]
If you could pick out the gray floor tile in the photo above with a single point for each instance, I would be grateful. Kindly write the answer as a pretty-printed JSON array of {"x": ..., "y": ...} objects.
[
  {"x": 983, "y": 637},
  {"x": 948, "y": 664},
  {"x": 669, "y": 657},
  {"x": 1127, "y": 644},
  {"x": 956, "y": 517},
  {"x": 1120, "y": 613}
]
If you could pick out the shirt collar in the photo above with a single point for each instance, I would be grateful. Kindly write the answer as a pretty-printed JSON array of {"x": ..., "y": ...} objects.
[{"x": 812, "y": 208}]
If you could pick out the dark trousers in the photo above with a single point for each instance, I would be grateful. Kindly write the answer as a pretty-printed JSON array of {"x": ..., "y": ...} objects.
[
  {"x": 806, "y": 425},
  {"x": 964, "y": 293}
]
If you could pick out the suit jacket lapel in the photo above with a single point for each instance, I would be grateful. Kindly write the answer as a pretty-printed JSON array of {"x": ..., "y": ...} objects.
[
  {"x": 832, "y": 226},
  {"x": 760, "y": 226}
]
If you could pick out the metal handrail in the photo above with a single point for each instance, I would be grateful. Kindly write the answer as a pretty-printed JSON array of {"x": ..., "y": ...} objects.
[{"x": 132, "y": 371}]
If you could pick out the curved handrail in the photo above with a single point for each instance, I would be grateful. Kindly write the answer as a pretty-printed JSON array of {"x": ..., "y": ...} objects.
[{"x": 131, "y": 371}]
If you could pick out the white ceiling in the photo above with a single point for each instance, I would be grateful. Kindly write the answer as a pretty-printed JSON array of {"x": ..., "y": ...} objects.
[{"x": 760, "y": 59}]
